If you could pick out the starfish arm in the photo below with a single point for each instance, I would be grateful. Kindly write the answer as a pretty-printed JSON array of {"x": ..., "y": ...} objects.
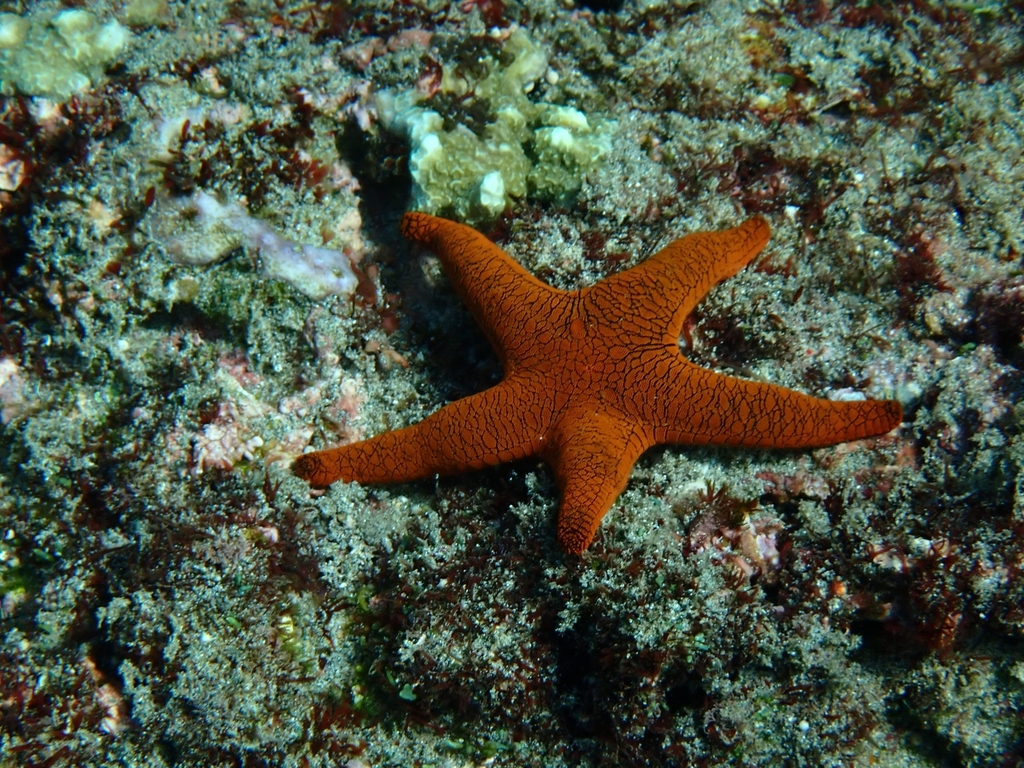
[
  {"x": 664, "y": 289},
  {"x": 481, "y": 430},
  {"x": 592, "y": 456},
  {"x": 508, "y": 302},
  {"x": 694, "y": 405}
]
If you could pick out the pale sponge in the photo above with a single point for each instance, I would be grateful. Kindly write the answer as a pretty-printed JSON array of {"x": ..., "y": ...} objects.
[
  {"x": 58, "y": 57},
  {"x": 201, "y": 230}
]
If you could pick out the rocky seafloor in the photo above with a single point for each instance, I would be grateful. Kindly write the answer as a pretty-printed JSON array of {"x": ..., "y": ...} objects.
[{"x": 173, "y": 596}]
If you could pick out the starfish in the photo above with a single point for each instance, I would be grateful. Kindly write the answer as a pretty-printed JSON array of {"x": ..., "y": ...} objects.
[{"x": 593, "y": 378}]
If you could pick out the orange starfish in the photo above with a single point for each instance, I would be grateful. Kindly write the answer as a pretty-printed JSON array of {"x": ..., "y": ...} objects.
[{"x": 593, "y": 378}]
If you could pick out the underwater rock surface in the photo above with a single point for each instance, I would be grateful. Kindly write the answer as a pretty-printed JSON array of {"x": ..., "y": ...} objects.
[{"x": 171, "y": 595}]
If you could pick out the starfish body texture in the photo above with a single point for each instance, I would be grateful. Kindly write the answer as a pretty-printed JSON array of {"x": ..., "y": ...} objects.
[{"x": 593, "y": 378}]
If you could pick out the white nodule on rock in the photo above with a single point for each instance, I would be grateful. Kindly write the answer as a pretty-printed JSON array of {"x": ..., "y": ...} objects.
[
  {"x": 13, "y": 30},
  {"x": 423, "y": 123},
  {"x": 568, "y": 117},
  {"x": 492, "y": 193},
  {"x": 428, "y": 151},
  {"x": 559, "y": 138},
  {"x": 110, "y": 40},
  {"x": 530, "y": 63},
  {"x": 89, "y": 42},
  {"x": 73, "y": 22},
  {"x": 428, "y": 146},
  {"x": 513, "y": 118}
]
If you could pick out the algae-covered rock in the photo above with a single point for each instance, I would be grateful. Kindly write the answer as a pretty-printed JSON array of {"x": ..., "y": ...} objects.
[
  {"x": 480, "y": 142},
  {"x": 56, "y": 57}
]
